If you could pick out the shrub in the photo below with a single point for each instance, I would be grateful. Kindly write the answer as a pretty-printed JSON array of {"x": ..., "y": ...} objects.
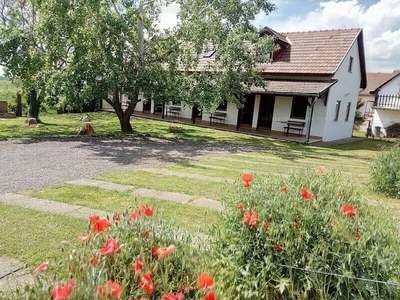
[
  {"x": 307, "y": 236},
  {"x": 385, "y": 173},
  {"x": 132, "y": 256}
]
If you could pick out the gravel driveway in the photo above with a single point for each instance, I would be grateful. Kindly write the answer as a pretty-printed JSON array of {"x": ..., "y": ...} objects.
[{"x": 35, "y": 163}]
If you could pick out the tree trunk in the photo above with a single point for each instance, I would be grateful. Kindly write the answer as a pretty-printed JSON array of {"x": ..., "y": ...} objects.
[
  {"x": 34, "y": 105},
  {"x": 123, "y": 116}
]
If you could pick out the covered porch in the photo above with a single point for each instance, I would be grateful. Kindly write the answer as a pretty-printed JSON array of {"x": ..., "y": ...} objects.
[{"x": 244, "y": 128}]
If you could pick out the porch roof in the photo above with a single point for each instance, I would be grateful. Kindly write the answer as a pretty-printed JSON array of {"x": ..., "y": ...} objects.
[{"x": 292, "y": 88}]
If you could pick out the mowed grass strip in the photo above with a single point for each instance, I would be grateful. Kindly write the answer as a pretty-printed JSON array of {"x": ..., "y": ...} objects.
[
  {"x": 185, "y": 216},
  {"x": 190, "y": 186},
  {"x": 32, "y": 236}
]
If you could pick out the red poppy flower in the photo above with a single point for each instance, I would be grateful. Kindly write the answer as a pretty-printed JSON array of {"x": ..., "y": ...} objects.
[
  {"x": 358, "y": 235},
  {"x": 61, "y": 292},
  {"x": 320, "y": 169},
  {"x": 278, "y": 247},
  {"x": 283, "y": 189},
  {"x": 205, "y": 281},
  {"x": 164, "y": 251},
  {"x": 267, "y": 224},
  {"x": 43, "y": 266},
  {"x": 240, "y": 206},
  {"x": 84, "y": 238},
  {"x": 250, "y": 218},
  {"x": 110, "y": 288},
  {"x": 147, "y": 210},
  {"x": 210, "y": 296},
  {"x": 110, "y": 247},
  {"x": 94, "y": 261},
  {"x": 295, "y": 224},
  {"x": 145, "y": 233},
  {"x": 136, "y": 214},
  {"x": 94, "y": 219},
  {"x": 306, "y": 195},
  {"x": 247, "y": 177},
  {"x": 117, "y": 217},
  {"x": 171, "y": 296},
  {"x": 137, "y": 265},
  {"x": 100, "y": 226},
  {"x": 349, "y": 210},
  {"x": 146, "y": 284}
]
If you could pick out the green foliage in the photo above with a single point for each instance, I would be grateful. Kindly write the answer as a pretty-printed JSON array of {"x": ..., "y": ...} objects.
[
  {"x": 305, "y": 249},
  {"x": 145, "y": 244},
  {"x": 385, "y": 172}
]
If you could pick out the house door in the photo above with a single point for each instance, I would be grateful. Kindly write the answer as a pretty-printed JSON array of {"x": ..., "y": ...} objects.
[
  {"x": 248, "y": 109},
  {"x": 147, "y": 105},
  {"x": 267, "y": 103}
]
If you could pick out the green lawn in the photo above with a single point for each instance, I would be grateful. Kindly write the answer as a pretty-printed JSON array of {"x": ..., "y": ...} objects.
[{"x": 276, "y": 158}]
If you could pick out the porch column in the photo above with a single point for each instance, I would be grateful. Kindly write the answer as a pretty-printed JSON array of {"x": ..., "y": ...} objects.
[
  {"x": 309, "y": 119},
  {"x": 256, "y": 111}
]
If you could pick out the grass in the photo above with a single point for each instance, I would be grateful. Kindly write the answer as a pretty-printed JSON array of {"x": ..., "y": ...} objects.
[
  {"x": 276, "y": 157},
  {"x": 33, "y": 236},
  {"x": 192, "y": 218}
]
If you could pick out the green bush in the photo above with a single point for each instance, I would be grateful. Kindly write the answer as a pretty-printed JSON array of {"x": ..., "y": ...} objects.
[
  {"x": 132, "y": 256},
  {"x": 305, "y": 236},
  {"x": 385, "y": 173}
]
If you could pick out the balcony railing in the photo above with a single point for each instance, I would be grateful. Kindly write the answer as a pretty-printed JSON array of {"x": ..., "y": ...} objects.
[{"x": 387, "y": 102}]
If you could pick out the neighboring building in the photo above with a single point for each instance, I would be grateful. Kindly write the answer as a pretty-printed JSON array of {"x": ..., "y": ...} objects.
[
  {"x": 374, "y": 81},
  {"x": 314, "y": 78},
  {"x": 386, "y": 102}
]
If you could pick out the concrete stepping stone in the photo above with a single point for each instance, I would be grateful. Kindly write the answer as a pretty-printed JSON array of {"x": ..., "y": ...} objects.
[
  {"x": 102, "y": 184},
  {"x": 13, "y": 274},
  {"x": 75, "y": 211},
  {"x": 209, "y": 203},
  {"x": 186, "y": 175},
  {"x": 170, "y": 196}
]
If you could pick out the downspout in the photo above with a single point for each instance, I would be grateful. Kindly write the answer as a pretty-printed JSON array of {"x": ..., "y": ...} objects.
[{"x": 309, "y": 119}]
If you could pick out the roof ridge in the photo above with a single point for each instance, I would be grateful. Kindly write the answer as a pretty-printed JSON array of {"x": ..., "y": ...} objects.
[{"x": 322, "y": 30}]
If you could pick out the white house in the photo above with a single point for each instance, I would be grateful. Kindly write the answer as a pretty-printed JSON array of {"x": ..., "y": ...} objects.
[
  {"x": 386, "y": 103},
  {"x": 314, "y": 79}
]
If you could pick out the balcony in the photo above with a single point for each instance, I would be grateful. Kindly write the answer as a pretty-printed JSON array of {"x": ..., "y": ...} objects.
[{"x": 391, "y": 102}]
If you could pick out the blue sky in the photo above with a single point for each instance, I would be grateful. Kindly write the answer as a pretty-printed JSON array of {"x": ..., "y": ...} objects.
[{"x": 380, "y": 20}]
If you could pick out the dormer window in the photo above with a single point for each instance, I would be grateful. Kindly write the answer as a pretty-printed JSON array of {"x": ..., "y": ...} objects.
[
  {"x": 209, "y": 53},
  {"x": 351, "y": 63}
]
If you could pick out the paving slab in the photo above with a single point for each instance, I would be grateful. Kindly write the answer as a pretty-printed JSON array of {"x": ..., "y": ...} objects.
[
  {"x": 75, "y": 211},
  {"x": 12, "y": 274},
  {"x": 101, "y": 184},
  {"x": 170, "y": 196},
  {"x": 206, "y": 202},
  {"x": 186, "y": 175}
]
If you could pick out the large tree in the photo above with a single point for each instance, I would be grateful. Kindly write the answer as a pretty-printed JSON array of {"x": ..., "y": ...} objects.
[
  {"x": 112, "y": 47},
  {"x": 22, "y": 53}
]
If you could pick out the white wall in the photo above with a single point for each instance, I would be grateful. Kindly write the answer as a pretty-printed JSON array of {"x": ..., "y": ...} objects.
[
  {"x": 345, "y": 90},
  {"x": 282, "y": 109},
  {"x": 318, "y": 120},
  {"x": 392, "y": 87},
  {"x": 385, "y": 118}
]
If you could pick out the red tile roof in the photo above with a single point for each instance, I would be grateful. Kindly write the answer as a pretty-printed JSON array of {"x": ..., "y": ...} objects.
[
  {"x": 313, "y": 52},
  {"x": 294, "y": 87},
  {"x": 376, "y": 80}
]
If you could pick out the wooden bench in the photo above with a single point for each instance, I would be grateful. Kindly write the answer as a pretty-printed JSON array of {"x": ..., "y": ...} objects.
[
  {"x": 217, "y": 117},
  {"x": 294, "y": 126},
  {"x": 174, "y": 110}
]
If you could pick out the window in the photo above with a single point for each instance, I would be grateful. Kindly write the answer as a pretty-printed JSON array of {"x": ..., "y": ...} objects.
[
  {"x": 348, "y": 111},
  {"x": 209, "y": 53},
  {"x": 223, "y": 105},
  {"x": 299, "y": 108},
  {"x": 351, "y": 63},
  {"x": 337, "y": 109}
]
